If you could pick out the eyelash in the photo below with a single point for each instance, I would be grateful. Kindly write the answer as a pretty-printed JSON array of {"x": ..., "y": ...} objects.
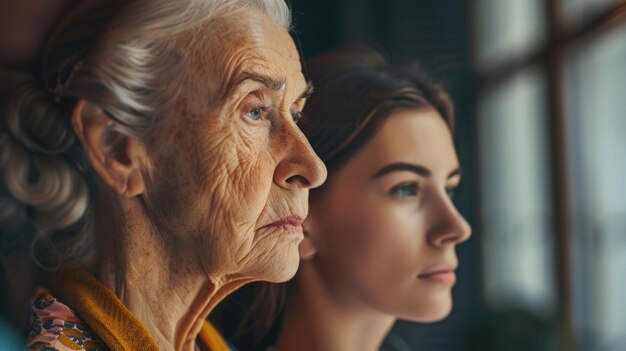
[
  {"x": 451, "y": 192},
  {"x": 263, "y": 111},
  {"x": 398, "y": 190},
  {"x": 296, "y": 116},
  {"x": 413, "y": 188}
]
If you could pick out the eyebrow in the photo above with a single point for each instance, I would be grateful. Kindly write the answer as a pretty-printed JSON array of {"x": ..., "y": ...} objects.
[
  {"x": 271, "y": 83},
  {"x": 417, "y": 169},
  {"x": 308, "y": 91}
]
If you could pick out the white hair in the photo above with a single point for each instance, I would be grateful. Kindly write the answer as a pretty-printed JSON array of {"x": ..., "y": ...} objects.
[{"x": 118, "y": 55}]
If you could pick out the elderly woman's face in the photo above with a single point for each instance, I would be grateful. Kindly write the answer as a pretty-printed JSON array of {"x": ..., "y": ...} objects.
[
  {"x": 232, "y": 169},
  {"x": 385, "y": 228}
]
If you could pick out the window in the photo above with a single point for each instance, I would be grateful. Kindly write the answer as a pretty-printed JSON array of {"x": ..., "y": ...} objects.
[
  {"x": 595, "y": 103},
  {"x": 507, "y": 29},
  {"x": 517, "y": 216},
  {"x": 551, "y": 117}
]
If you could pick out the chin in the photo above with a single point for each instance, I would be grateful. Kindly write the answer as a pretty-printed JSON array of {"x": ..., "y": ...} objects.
[
  {"x": 429, "y": 310},
  {"x": 442, "y": 313},
  {"x": 282, "y": 266}
]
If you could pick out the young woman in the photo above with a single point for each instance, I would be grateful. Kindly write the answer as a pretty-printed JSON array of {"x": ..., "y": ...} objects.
[{"x": 381, "y": 233}]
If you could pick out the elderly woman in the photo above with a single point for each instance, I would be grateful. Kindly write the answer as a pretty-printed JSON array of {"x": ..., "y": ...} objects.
[
  {"x": 381, "y": 236},
  {"x": 152, "y": 164}
]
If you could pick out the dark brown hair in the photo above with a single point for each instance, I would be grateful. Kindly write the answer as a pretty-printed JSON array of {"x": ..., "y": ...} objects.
[{"x": 356, "y": 90}]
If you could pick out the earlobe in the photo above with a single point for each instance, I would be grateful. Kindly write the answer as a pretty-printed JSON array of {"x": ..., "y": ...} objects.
[{"x": 115, "y": 156}]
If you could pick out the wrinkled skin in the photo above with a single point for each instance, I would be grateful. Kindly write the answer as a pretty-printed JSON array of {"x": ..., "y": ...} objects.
[
  {"x": 197, "y": 199},
  {"x": 222, "y": 176},
  {"x": 375, "y": 236}
]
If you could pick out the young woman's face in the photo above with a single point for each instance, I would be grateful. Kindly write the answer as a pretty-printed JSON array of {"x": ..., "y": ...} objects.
[{"x": 386, "y": 229}]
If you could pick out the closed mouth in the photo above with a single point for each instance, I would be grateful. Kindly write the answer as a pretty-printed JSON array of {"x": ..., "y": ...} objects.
[
  {"x": 444, "y": 276},
  {"x": 289, "y": 221}
]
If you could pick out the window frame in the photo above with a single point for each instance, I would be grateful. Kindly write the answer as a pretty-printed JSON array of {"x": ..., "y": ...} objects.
[{"x": 550, "y": 56}]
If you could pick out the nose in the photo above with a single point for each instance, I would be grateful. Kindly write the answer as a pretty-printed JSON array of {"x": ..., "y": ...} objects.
[
  {"x": 449, "y": 227},
  {"x": 299, "y": 166}
]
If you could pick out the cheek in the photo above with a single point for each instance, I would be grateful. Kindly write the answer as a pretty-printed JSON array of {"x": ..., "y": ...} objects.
[
  {"x": 237, "y": 179},
  {"x": 392, "y": 241},
  {"x": 252, "y": 177},
  {"x": 374, "y": 245},
  {"x": 173, "y": 193},
  {"x": 236, "y": 171},
  {"x": 248, "y": 170},
  {"x": 209, "y": 190}
]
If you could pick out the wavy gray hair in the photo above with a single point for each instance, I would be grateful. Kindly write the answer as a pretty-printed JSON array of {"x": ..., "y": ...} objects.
[{"x": 118, "y": 55}]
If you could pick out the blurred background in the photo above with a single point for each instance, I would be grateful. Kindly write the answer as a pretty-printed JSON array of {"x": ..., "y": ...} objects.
[{"x": 540, "y": 92}]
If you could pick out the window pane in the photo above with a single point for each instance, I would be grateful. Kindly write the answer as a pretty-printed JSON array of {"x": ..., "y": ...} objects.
[
  {"x": 575, "y": 11},
  {"x": 507, "y": 29},
  {"x": 517, "y": 215},
  {"x": 596, "y": 115}
]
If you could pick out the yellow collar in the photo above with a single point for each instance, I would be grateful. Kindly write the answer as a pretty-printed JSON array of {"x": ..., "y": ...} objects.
[{"x": 109, "y": 319}]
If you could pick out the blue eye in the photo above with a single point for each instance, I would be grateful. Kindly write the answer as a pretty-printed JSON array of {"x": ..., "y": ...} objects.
[
  {"x": 257, "y": 113},
  {"x": 404, "y": 190},
  {"x": 296, "y": 116},
  {"x": 451, "y": 192}
]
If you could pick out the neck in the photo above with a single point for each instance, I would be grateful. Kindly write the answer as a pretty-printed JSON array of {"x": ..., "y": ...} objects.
[
  {"x": 318, "y": 318},
  {"x": 166, "y": 290}
]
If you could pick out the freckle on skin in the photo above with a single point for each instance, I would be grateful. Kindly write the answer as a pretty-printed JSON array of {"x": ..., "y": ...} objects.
[{"x": 204, "y": 160}]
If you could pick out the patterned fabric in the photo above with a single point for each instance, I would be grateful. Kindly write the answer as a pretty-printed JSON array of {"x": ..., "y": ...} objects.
[
  {"x": 104, "y": 322},
  {"x": 54, "y": 326}
]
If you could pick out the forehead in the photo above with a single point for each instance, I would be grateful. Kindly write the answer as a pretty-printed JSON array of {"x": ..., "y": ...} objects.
[
  {"x": 245, "y": 41},
  {"x": 418, "y": 136}
]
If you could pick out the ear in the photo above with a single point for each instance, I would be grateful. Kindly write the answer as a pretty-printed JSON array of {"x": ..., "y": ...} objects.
[
  {"x": 115, "y": 156},
  {"x": 307, "y": 248}
]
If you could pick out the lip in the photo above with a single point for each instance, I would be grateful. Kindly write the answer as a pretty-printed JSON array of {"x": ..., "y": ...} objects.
[
  {"x": 288, "y": 223},
  {"x": 443, "y": 274}
]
